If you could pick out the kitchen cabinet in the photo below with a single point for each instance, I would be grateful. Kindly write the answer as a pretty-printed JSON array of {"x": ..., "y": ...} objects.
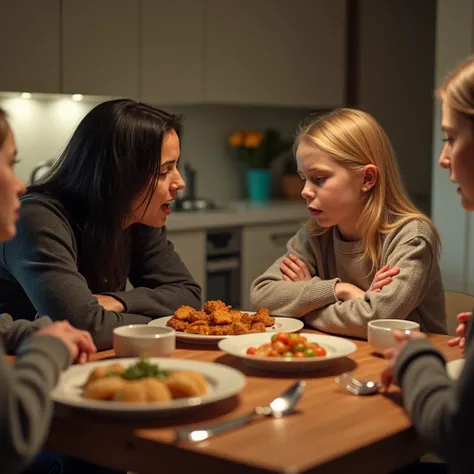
[
  {"x": 282, "y": 53},
  {"x": 30, "y": 39},
  {"x": 101, "y": 47},
  {"x": 261, "y": 246},
  {"x": 172, "y": 38},
  {"x": 191, "y": 247}
]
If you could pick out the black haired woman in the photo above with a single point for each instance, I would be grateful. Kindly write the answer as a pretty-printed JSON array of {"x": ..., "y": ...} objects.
[{"x": 97, "y": 219}]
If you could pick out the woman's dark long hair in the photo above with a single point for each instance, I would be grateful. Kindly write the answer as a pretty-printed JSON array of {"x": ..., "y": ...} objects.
[{"x": 113, "y": 155}]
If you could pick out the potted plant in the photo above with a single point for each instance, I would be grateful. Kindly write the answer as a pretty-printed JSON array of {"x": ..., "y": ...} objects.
[
  {"x": 291, "y": 184},
  {"x": 256, "y": 150}
]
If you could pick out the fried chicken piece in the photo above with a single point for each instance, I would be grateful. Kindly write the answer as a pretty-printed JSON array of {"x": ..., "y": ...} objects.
[
  {"x": 212, "y": 306},
  {"x": 104, "y": 388},
  {"x": 221, "y": 316},
  {"x": 247, "y": 319},
  {"x": 104, "y": 371},
  {"x": 199, "y": 316},
  {"x": 224, "y": 330},
  {"x": 184, "y": 312},
  {"x": 263, "y": 316},
  {"x": 239, "y": 328},
  {"x": 198, "y": 327},
  {"x": 186, "y": 383},
  {"x": 257, "y": 327},
  {"x": 236, "y": 315},
  {"x": 177, "y": 324}
]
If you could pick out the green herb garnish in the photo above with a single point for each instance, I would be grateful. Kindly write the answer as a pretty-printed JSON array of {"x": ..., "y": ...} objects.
[{"x": 144, "y": 369}]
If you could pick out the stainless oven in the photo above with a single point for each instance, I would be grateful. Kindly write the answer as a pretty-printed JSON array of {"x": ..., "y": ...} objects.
[{"x": 223, "y": 266}]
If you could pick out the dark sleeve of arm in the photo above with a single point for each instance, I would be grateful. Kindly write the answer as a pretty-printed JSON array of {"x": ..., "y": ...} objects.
[
  {"x": 442, "y": 410},
  {"x": 13, "y": 333},
  {"x": 25, "y": 402},
  {"x": 161, "y": 280},
  {"x": 42, "y": 258}
]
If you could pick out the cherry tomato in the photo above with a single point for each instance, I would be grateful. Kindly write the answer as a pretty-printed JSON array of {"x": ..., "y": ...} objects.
[
  {"x": 283, "y": 337},
  {"x": 279, "y": 347},
  {"x": 320, "y": 352},
  {"x": 309, "y": 353},
  {"x": 294, "y": 336},
  {"x": 274, "y": 337},
  {"x": 299, "y": 348},
  {"x": 303, "y": 339},
  {"x": 287, "y": 354},
  {"x": 251, "y": 351},
  {"x": 298, "y": 355},
  {"x": 273, "y": 353}
]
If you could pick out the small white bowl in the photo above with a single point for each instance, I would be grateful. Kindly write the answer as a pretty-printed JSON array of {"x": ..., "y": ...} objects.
[
  {"x": 142, "y": 340},
  {"x": 380, "y": 332}
]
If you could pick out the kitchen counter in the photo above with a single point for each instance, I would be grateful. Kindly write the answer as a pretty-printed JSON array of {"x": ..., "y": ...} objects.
[{"x": 237, "y": 214}]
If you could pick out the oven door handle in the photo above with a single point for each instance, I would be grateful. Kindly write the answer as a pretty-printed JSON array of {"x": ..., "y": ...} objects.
[{"x": 223, "y": 265}]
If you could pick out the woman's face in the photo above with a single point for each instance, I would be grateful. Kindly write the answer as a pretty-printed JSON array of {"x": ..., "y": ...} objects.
[
  {"x": 11, "y": 188},
  {"x": 458, "y": 153},
  {"x": 155, "y": 211}
]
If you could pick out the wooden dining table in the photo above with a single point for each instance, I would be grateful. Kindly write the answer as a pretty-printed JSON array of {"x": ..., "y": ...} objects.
[{"x": 332, "y": 430}]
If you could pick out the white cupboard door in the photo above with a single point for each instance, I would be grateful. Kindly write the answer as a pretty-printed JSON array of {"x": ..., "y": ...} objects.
[
  {"x": 191, "y": 247},
  {"x": 172, "y": 51},
  {"x": 278, "y": 52},
  {"x": 30, "y": 39},
  {"x": 100, "y": 53},
  {"x": 261, "y": 246}
]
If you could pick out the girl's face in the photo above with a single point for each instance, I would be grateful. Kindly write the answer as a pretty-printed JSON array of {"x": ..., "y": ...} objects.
[
  {"x": 11, "y": 188},
  {"x": 155, "y": 212},
  {"x": 332, "y": 192},
  {"x": 458, "y": 153}
]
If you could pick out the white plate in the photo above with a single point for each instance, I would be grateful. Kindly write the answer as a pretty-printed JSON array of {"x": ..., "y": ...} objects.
[
  {"x": 281, "y": 324},
  {"x": 336, "y": 348},
  {"x": 223, "y": 383},
  {"x": 454, "y": 368}
]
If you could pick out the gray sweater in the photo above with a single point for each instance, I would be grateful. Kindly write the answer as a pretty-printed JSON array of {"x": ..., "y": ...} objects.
[
  {"x": 39, "y": 274},
  {"x": 416, "y": 293},
  {"x": 25, "y": 404},
  {"x": 442, "y": 410}
]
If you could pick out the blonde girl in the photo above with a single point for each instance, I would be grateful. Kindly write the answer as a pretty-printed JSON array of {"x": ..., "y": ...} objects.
[{"x": 367, "y": 253}]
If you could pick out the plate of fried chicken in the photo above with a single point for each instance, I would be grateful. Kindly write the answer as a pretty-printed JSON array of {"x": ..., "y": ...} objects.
[{"x": 217, "y": 321}]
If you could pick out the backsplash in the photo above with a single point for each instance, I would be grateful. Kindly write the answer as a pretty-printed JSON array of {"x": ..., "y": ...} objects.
[{"x": 43, "y": 127}]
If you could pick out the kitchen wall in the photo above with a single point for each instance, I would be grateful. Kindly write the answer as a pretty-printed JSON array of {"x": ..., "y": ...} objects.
[
  {"x": 43, "y": 127},
  {"x": 393, "y": 80}
]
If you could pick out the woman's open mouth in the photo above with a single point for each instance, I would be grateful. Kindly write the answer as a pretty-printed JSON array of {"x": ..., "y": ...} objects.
[
  {"x": 314, "y": 212},
  {"x": 166, "y": 207}
]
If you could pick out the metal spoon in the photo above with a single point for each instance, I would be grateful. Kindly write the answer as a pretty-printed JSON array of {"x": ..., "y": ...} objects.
[{"x": 281, "y": 406}]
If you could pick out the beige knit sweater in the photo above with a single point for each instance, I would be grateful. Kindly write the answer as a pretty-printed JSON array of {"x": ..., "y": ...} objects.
[{"x": 416, "y": 293}]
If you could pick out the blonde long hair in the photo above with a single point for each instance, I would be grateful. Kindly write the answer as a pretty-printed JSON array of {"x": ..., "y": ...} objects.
[
  {"x": 355, "y": 139},
  {"x": 457, "y": 89},
  {"x": 4, "y": 127}
]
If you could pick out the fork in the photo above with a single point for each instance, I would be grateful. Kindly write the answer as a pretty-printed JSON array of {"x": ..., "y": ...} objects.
[{"x": 356, "y": 386}]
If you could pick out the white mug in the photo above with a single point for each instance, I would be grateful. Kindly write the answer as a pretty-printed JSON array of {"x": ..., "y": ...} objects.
[
  {"x": 142, "y": 340},
  {"x": 380, "y": 332}
]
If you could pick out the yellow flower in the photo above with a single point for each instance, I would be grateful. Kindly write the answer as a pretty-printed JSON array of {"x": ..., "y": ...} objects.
[
  {"x": 236, "y": 139},
  {"x": 253, "y": 139}
]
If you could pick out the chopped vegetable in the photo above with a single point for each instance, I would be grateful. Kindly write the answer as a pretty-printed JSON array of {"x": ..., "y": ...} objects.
[
  {"x": 288, "y": 345},
  {"x": 143, "y": 369}
]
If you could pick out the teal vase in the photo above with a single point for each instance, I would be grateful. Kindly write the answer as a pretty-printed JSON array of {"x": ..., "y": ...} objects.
[{"x": 258, "y": 184}]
